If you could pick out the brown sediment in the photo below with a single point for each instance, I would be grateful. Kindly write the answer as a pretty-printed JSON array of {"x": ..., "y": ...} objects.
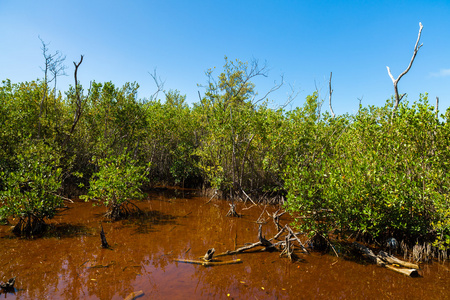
[{"x": 69, "y": 262}]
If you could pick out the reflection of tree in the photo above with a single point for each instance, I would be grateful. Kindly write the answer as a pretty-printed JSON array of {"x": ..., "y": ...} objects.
[{"x": 69, "y": 263}]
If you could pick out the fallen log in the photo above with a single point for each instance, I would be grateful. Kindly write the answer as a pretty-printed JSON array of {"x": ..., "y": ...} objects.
[
  {"x": 404, "y": 271},
  {"x": 394, "y": 260},
  {"x": 385, "y": 260}
]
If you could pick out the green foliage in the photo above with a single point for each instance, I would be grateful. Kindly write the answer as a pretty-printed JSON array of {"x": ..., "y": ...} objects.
[
  {"x": 171, "y": 135},
  {"x": 378, "y": 177},
  {"x": 236, "y": 150},
  {"x": 116, "y": 183},
  {"x": 31, "y": 190},
  {"x": 366, "y": 173}
]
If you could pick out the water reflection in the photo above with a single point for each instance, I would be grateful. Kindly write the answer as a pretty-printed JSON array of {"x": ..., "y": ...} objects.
[{"x": 68, "y": 263}]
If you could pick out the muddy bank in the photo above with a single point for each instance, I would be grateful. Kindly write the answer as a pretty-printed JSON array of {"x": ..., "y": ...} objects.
[{"x": 69, "y": 262}]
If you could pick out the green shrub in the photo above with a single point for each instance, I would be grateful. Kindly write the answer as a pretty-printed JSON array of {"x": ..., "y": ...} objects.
[
  {"x": 116, "y": 183},
  {"x": 31, "y": 190}
]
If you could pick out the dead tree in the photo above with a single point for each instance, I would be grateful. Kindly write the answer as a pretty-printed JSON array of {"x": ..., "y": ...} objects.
[
  {"x": 77, "y": 95},
  {"x": 78, "y": 101},
  {"x": 436, "y": 108},
  {"x": 54, "y": 63},
  {"x": 398, "y": 98},
  {"x": 331, "y": 92}
]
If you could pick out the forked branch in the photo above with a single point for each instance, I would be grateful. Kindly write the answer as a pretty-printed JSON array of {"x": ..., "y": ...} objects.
[{"x": 395, "y": 81}]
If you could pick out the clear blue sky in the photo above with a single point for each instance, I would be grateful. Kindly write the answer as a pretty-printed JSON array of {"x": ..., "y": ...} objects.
[{"x": 302, "y": 40}]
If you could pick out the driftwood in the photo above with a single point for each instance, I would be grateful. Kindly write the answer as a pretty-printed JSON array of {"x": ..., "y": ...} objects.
[
  {"x": 268, "y": 245},
  {"x": 289, "y": 249},
  {"x": 209, "y": 263},
  {"x": 262, "y": 239},
  {"x": 298, "y": 240},
  {"x": 388, "y": 261},
  {"x": 393, "y": 260},
  {"x": 134, "y": 295},
  {"x": 209, "y": 254},
  {"x": 232, "y": 212},
  {"x": 9, "y": 285},
  {"x": 276, "y": 218},
  {"x": 240, "y": 250}
]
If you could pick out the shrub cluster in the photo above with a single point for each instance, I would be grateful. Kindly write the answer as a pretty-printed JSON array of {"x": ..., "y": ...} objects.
[{"x": 372, "y": 173}]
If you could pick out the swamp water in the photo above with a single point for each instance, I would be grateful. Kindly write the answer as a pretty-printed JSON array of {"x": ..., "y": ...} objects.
[{"x": 70, "y": 264}]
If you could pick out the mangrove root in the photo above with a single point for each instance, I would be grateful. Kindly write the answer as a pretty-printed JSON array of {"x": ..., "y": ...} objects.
[
  {"x": 122, "y": 211},
  {"x": 29, "y": 225}
]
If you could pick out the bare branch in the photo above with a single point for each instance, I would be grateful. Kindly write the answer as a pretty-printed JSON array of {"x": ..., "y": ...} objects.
[
  {"x": 360, "y": 102},
  {"x": 291, "y": 97},
  {"x": 273, "y": 89},
  {"x": 436, "y": 109},
  {"x": 395, "y": 81},
  {"x": 78, "y": 96},
  {"x": 331, "y": 92},
  {"x": 159, "y": 85}
]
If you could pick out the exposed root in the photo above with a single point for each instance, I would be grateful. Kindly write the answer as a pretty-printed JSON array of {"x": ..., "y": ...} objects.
[
  {"x": 232, "y": 212},
  {"x": 122, "y": 211},
  {"x": 30, "y": 225}
]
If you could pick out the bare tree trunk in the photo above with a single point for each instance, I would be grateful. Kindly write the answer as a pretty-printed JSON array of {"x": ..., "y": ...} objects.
[
  {"x": 77, "y": 115},
  {"x": 331, "y": 92},
  {"x": 78, "y": 102},
  {"x": 436, "y": 109},
  {"x": 395, "y": 81}
]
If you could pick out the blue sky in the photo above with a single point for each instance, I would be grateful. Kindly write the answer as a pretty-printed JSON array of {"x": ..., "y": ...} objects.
[{"x": 302, "y": 40}]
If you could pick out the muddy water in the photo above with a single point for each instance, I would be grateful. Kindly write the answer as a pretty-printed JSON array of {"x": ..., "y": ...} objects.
[{"x": 70, "y": 264}]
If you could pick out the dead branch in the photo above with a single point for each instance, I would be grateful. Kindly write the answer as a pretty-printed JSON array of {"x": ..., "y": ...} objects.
[
  {"x": 103, "y": 238},
  {"x": 331, "y": 92},
  {"x": 209, "y": 263},
  {"x": 232, "y": 212},
  {"x": 78, "y": 101},
  {"x": 262, "y": 239},
  {"x": 276, "y": 218},
  {"x": 395, "y": 81},
  {"x": 387, "y": 261},
  {"x": 298, "y": 240},
  {"x": 209, "y": 254},
  {"x": 436, "y": 109},
  {"x": 159, "y": 85},
  {"x": 134, "y": 295}
]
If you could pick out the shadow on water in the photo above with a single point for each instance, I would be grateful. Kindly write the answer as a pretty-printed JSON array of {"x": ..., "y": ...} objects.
[
  {"x": 69, "y": 263},
  {"x": 146, "y": 220},
  {"x": 67, "y": 230}
]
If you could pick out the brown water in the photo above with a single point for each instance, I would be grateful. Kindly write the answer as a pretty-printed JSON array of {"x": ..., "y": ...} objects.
[{"x": 70, "y": 264}]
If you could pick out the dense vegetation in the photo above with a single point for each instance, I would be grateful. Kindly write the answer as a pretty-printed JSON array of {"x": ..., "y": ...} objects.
[{"x": 373, "y": 173}]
